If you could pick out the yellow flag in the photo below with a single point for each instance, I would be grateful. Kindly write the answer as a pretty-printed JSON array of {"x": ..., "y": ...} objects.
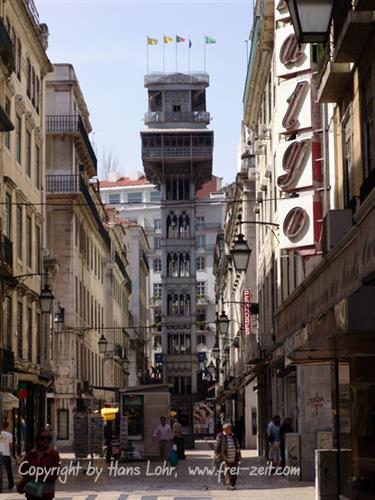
[
  {"x": 152, "y": 41},
  {"x": 168, "y": 39}
]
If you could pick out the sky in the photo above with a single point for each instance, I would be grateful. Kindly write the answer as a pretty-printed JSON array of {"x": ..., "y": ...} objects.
[{"x": 105, "y": 40}]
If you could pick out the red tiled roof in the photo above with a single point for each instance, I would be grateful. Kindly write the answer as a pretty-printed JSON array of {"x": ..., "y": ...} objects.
[
  {"x": 125, "y": 181},
  {"x": 207, "y": 188}
]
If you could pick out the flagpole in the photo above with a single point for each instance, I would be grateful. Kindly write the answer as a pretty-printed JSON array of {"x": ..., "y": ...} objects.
[
  {"x": 204, "y": 51},
  {"x": 147, "y": 54},
  {"x": 176, "y": 53},
  {"x": 163, "y": 54},
  {"x": 189, "y": 55}
]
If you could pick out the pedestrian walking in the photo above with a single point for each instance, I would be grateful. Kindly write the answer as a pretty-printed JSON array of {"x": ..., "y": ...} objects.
[
  {"x": 285, "y": 427},
  {"x": 108, "y": 435},
  {"x": 178, "y": 439},
  {"x": 42, "y": 457},
  {"x": 163, "y": 434},
  {"x": 6, "y": 449},
  {"x": 274, "y": 439},
  {"x": 227, "y": 449}
]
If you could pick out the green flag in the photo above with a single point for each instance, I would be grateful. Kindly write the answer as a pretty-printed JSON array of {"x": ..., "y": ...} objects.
[{"x": 209, "y": 39}]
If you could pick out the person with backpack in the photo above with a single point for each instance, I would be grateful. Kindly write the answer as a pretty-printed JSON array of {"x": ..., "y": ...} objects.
[{"x": 227, "y": 449}]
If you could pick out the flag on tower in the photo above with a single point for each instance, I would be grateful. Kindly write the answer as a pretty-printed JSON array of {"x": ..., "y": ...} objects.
[
  {"x": 152, "y": 41},
  {"x": 168, "y": 39},
  {"x": 209, "y": 39},
  {"x": 179, "y": 39}
]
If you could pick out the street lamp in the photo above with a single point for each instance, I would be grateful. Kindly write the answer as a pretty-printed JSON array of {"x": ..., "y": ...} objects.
[
  {"x": 311, "y": 19},
  {"x": 223, "y": 321},
  {"x": 215, "y": 352},
  {"x": 103, "y": 344},
  {"x": 46, "y": 299},
  {"x": 240, "y": 253},
  {"x": 59, "y": 318}
]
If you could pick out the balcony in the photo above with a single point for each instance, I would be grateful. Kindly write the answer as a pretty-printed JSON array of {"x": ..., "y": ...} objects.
[
  {"x": 159, "y": 146},
  {"x": 336, "y": 79},
  {"x": 6, "y": 255},
  {"x": 353, "y": 37},
  {"x": 6, "y": 49},
  {"x": 70, "y": 184},
  {"x": 153, "y": 117},
  {"x": 73, "y": 124}
]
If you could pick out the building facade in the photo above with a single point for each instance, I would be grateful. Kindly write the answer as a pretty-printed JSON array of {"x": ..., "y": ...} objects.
[
  {"x": 138, "y": 201},
  {"x": 91, "y": 286},
  {"x": 177, "y": 155},
  {"x": 25, "y": 364}
]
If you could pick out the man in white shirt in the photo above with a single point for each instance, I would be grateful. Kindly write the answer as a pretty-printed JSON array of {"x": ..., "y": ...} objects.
[
  {"x": 6, "y": 444},
  {"x": 163, "y": 433}
]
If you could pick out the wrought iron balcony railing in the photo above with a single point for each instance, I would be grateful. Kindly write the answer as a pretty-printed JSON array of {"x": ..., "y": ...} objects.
[
  {"x": 173, "y": 117},
  {"x": 71, "y": 124},
  {"x": 6, "y": 49},
  {"x": 76, "y": 184}
]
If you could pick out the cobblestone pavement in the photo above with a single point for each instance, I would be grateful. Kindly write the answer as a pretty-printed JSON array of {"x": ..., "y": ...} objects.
[{"x": 137, "y": 481}]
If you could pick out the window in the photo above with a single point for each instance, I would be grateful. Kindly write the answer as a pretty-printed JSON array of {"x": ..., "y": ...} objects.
[
  {"x": 201, "y": 289},
  {"x": 19, "y": 232},
  {"x": 368, "y": 104},
  {"x": 157, "y": 291},
  {"x": 134, "y": 197},
  {"x": 156, "y": 265},
  {"x": 201, "y": 339},
  {"x": 33, "y": 86},
  {"x": 8, "y": 112},
  {"x": 201, "y": 241},
  {"x": 201, "y": 263},
  {"x": 157, "y": 224},
  {"x": 155, "y": 100},
  {"x": 8, "y": 216},
  {"x": 37, "y": 94},
  {"x": 157, "y": 243},
  {"x": 155, "y": 196},
  {"x": 19, "y": 329},
  {"x": 28, "y": 153},
  {"x": 200, "y": 221},
  {"x": 29, "y": 334},
  {"x": 198, "y": 100},
  {"x": 18, "y": 59},
  {"x": 28, "y": 82},
  {"x": 114, "y": 198},
  {"x": 38, "y": 250},
  {"x": 29, "y": 241},
  {"x": 62, "y": 424},
  {"x": 18, "y": 138},
  {"x": 37, "y": 166},
  {"x": 8, "y": 323},
  {"x": 176, "y": 108}
]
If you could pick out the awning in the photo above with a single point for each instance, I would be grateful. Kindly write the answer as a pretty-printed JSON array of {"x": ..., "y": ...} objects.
[{"x": 8, "y": 401}]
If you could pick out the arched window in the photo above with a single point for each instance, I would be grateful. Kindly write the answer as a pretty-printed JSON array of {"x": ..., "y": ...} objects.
[
  {"x": 172, "y": 231},
  {"x": 184, "y": 225}
]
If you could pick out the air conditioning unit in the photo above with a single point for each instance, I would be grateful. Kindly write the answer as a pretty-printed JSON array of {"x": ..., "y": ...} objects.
[
  {"x": 336, "y": 223},
  {"x": 9, "y": 381}
]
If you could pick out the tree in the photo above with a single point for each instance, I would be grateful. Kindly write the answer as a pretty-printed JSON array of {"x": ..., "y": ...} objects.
[{"x": 109, "y": 163}]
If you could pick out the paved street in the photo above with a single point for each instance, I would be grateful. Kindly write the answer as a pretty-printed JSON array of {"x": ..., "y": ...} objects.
[{"x": 181, "y": 484}]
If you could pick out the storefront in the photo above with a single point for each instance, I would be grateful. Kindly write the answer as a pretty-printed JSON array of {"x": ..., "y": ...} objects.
[{"x": 331, "y": 318}]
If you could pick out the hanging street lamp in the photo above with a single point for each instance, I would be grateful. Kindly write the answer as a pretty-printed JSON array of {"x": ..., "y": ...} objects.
[
  {"x": 103, "y": 344},
  {"x": 240, "y": 253},
  {"x": 46, "y": 300},
  {"x": 311, "y": 19}
]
